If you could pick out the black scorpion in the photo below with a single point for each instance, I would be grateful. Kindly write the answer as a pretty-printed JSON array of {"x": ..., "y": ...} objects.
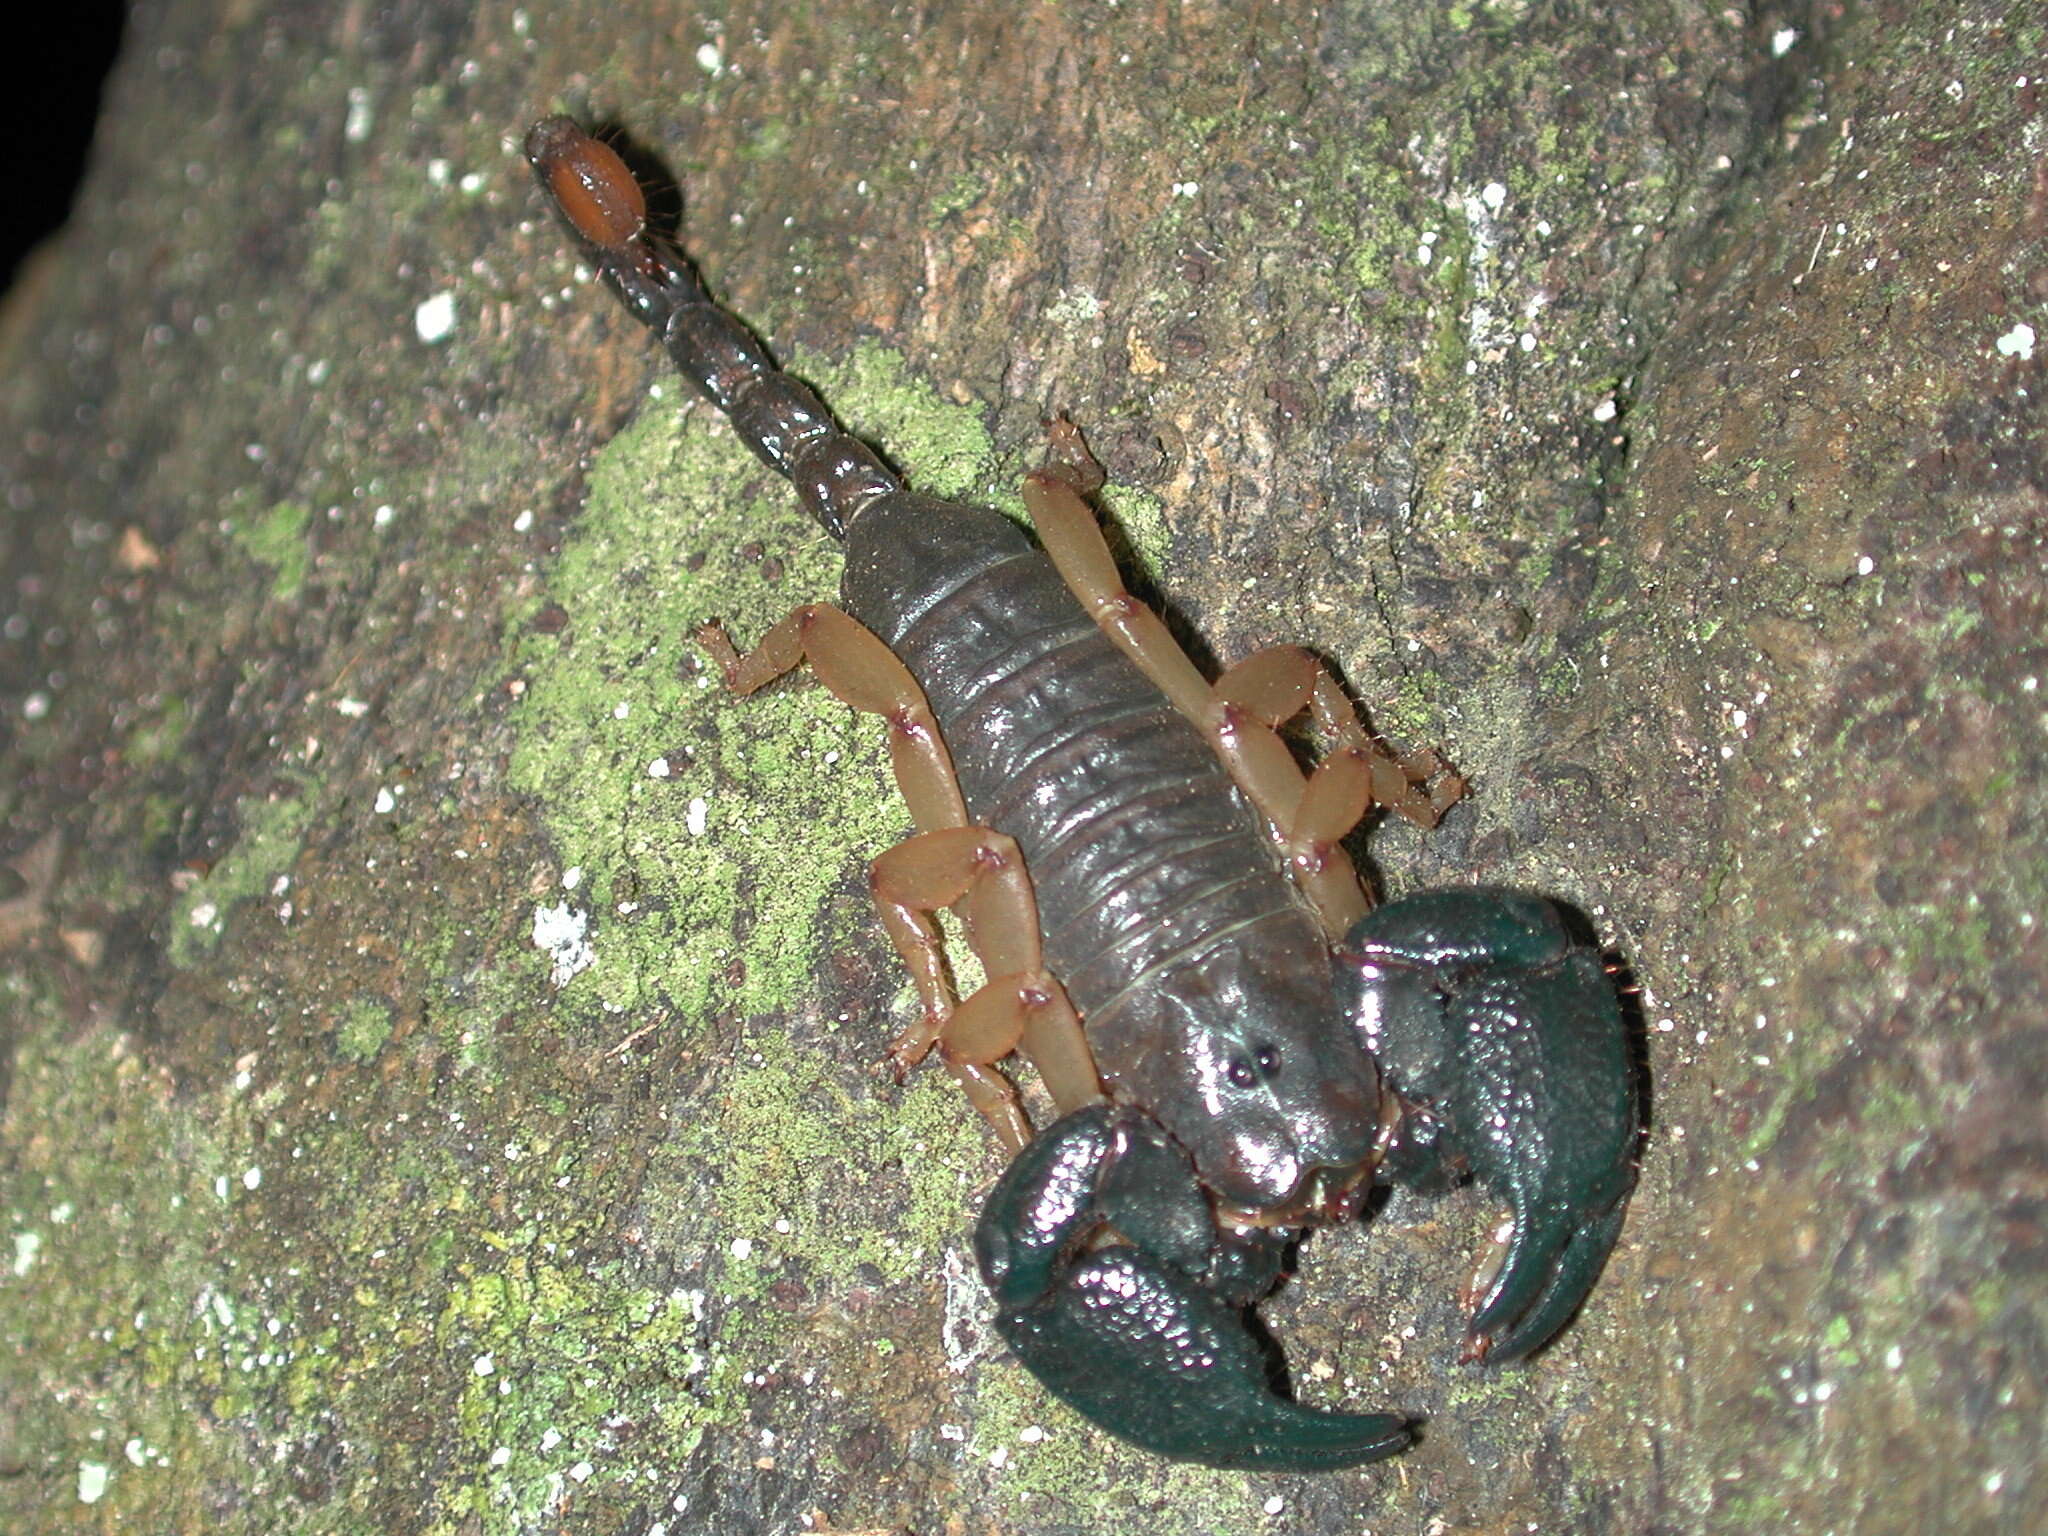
[{"x": 1174, "y": 939}]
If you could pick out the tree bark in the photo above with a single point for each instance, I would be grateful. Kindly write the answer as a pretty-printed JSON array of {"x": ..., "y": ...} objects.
[{"x": 442, "y": 1081}]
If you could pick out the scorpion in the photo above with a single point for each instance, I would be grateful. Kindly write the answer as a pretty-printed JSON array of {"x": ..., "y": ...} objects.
[{"x": 1237, "y": 1046}]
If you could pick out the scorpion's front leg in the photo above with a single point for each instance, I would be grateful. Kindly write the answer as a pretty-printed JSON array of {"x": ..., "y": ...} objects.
[
  {"x": 1146, "y": 1334},
  {"x": 1504, "y": 1039}
]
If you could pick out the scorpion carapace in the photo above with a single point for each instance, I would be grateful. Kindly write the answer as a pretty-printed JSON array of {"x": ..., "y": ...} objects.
[{"x": 1237, "y": 1048}]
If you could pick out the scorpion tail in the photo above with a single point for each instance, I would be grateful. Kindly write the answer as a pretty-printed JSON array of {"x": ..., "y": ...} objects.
[
  {"x": 837, "y": 476},
  {"x": 1148, "y": 1338}
]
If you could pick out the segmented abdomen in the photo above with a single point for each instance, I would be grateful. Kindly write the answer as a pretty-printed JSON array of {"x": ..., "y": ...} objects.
[{"x": 1142, "y": 852}]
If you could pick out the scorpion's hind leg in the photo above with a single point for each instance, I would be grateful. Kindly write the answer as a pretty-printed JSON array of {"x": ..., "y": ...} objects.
[
  {"x": 948, "y": 862},
  {"x": 1505, "y": 1041},
  {"x": 864, "y": 674},
  {"x": 1146, "y": 1335}
]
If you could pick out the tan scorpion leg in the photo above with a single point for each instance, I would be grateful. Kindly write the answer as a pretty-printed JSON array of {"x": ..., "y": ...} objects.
[
  {"x": 1021, "y": 1006},
  {"x": 1242, "y": 711},
  {"x": 949, "y": 862}
]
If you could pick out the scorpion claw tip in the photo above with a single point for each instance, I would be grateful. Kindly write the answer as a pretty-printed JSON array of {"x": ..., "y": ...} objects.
[
  {"x": 1172, "y": 1368},
  {"x": 1540, "y": 1286}
]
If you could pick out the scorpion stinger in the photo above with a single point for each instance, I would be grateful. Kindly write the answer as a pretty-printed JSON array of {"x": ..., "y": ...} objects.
[{"x": 1172, "y": 935}]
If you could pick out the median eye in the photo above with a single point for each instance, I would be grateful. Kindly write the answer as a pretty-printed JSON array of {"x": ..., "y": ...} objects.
[
  {"x": 1241, "y": 1072},
  {"x": 1268, "y": 1058}
]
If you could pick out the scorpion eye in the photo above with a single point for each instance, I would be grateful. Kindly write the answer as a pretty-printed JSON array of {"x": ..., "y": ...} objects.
[
  {"x": 1268, "y": 1058},
  {"x": 1241, "y": 1072}
]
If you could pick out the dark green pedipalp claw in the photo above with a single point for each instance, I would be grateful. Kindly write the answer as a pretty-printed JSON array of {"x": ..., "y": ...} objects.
[
  {"x": 1132, "y": 1336},
  {"x": 1504, "y": 1038}
]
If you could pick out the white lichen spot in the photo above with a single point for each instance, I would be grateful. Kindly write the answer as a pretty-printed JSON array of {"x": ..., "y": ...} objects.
[
  {"x": 1865, "y": 565},
  {"x": 572, "y": 877},
  {"x": 622, "y": 709},
  {"x": 385, "y": 803},
  {"x": 484, "y": 1364},
  {"x": 435, "y": 318},
  {"x": 381, "y": 518},
  {"x": 710, "y": 58},
  {"x": 252, "y": 1178},
  {"x": 658, "y": 769},
  {"x": 2018, "y": 342},
  {"x": 563, "y": 932},
  {"x": 356, "y": 125},
  {"x": 1493, "y": 194},
  {"x": 92, "y": 1481},
  {"x": 581, "y": 1472},
  {"x": 26, "y": 1246},
  {"x": 742, "y": 1248},
  {"x": 1606, "y": 410},
  {"x": 696, "y": 817},
  {"x": 1274, "y": 1504},
  {"x": 351, "y": 709},
  {"x": 1782, "y": 41}
]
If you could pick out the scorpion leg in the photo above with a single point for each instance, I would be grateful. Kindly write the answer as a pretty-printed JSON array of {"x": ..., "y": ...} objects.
[
  {"x": 1242, "y": 711},
  {"x": 1504, "y": 1039},
  {"x": 1146, "y": 1335},
  {"x": 1021, "y": 1006},
  {"x": 863, "y": 673}
]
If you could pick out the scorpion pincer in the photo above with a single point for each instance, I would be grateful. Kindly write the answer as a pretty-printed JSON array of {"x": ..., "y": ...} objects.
[{"x": 1236, "y": 1045}]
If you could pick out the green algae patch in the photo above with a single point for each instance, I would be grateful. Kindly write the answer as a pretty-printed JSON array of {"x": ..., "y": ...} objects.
[
  {"x": 673, "y": 808},
  {"x": 120, "y": 1314},
  {"x": 365, "y": 1026},
  {"x": 549, "y": 1347},
  {"x": 701, "y": 835},
  {"x": 942, "y": 449},
  {"x": 801, "y": 1152},
  {"x": 276, "y": 540},
  {"x": 271, "y": 832}
]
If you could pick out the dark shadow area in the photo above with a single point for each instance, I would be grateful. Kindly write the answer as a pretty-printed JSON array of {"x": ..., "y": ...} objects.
[{"x": 51, "y": 108}]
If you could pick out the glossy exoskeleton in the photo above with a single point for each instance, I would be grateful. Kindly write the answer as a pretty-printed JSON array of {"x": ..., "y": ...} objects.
[{"x": 1236, "y": 1046}]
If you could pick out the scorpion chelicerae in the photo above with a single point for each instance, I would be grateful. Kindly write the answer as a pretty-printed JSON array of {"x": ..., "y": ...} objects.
[{"x": 1237, "y": 1046}]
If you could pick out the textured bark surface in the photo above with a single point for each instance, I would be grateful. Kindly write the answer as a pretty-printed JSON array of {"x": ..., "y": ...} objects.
[{"x": 440, "y": 1085}]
